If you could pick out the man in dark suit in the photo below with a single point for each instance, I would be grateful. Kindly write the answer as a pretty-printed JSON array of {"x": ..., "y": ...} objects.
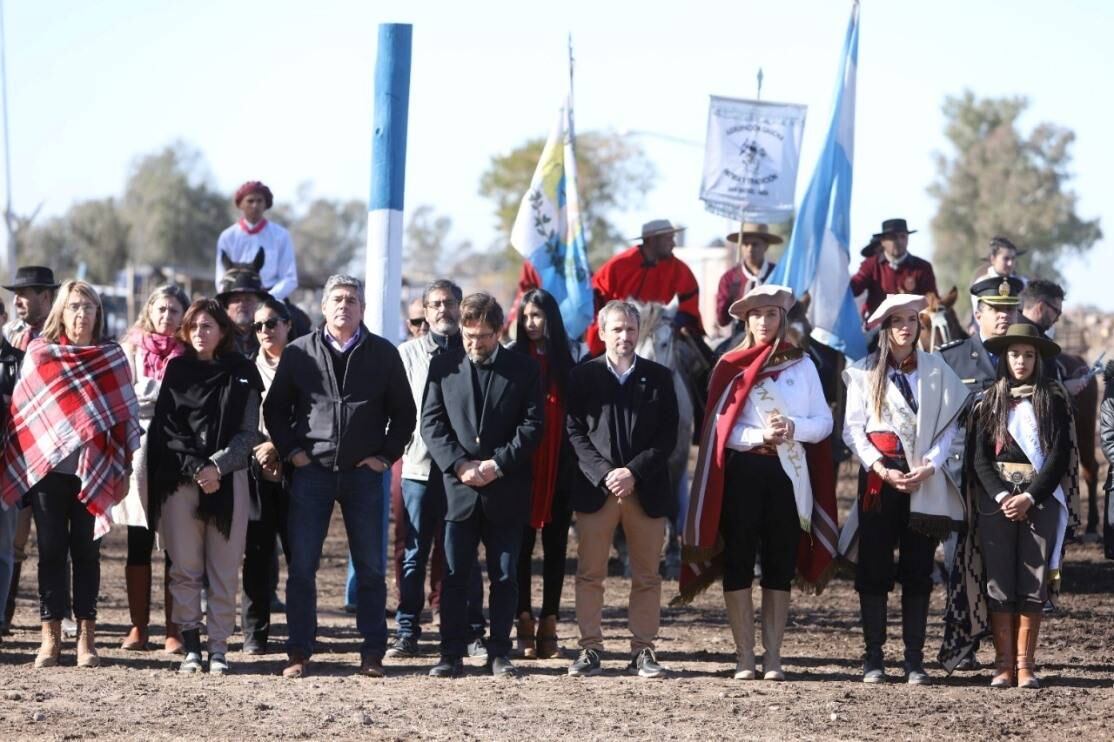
[
  {"x": 622, "y": 423},
  {"x": 481, "y": 420}
]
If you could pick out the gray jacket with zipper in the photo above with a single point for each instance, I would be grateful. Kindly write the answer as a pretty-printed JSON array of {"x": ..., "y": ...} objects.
[{"x": 371, "y": 413}]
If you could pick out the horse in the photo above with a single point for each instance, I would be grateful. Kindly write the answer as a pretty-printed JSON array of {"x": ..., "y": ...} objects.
[
  {"x": 300, "y": 323},
  {"x": 940, "y": 325}
]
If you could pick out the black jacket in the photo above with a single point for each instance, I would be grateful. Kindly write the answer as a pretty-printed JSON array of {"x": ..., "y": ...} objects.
[
  {"x": 11, "y": 358},
  {"x": 1047, "y": 478},
  {"x": 370, "y": 414},
  {"x": 507, "y": 430},
  {"x": 651, "y": 403}
]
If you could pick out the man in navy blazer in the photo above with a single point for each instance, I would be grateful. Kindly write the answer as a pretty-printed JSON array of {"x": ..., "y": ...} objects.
[
  {"x": 482, "y": 420},
  {"x": 622, "y": 423}
]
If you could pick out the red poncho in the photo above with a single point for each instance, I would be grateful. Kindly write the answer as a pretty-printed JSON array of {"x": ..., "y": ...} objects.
[{"x": 547, "y": 456}]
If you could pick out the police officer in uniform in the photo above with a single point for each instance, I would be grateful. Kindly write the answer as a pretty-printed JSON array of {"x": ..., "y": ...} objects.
[{"x": 996, "y": 306}]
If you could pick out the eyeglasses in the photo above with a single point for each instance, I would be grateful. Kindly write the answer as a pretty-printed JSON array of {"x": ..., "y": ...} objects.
[
  {"x": 417, "y": 321},
  {"x": 446, "y": 303},
  {"x": 81, "y": 308},
  {"x": 270, "y": 324}
]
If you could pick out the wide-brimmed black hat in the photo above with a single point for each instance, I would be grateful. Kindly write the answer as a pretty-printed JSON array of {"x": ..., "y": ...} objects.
[
  {"x": 33, "y": 277},
  {"x": 241, "y": 282},
  {"x": 998, "y": 291},
  {"x": 895, "y": 226},
  {"x": 1022, "y": 334}
]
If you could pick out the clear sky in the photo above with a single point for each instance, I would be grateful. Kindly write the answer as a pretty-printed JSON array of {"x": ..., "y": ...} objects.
[{"x": 282, "y": 91}]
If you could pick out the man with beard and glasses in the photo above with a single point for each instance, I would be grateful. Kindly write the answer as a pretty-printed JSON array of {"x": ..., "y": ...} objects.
[
  {"x": 482, "y": 420},
  {"x": 241, "y": 294}
]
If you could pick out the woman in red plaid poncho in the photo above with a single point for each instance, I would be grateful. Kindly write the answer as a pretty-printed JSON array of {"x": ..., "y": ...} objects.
[{"x": 67, "y": 451}]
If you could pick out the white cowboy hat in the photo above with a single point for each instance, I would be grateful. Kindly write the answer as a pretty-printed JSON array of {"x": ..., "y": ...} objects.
[
  {"x": 656, "y": 227},
  {"x": 895, "y": 303},
  {"x": 766, "y": 295}
]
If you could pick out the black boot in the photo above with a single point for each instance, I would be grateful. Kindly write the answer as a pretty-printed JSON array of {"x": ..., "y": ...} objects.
[
  {"x": 914, "y": 618},
  {"x": 873, "y": 608},
  {"x": 191, "y": 644}
]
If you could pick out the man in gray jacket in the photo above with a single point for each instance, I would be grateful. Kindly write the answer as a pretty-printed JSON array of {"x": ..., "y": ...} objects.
[{"x": 339, "y": 410}]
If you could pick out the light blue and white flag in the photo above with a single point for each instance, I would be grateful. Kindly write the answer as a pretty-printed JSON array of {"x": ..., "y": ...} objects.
[
  {"x": 817, "y": 258},
  {"x": 549, "y": 228}
]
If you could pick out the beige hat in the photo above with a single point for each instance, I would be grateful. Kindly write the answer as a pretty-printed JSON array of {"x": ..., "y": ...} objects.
[
  {"x": 656, "y": 227},
  {"x": 755, "y": 230},
  {"x": 766, "y": 295},
  {"x": 895, "y": 303}
]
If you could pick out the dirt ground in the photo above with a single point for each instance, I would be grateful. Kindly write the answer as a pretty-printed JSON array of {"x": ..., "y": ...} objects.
[{"x": 139, "y": 695}]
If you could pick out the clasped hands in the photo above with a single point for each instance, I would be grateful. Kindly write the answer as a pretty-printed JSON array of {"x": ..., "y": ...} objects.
[
  {"x": 208, "y": 479},
  {"x": 778, "y": 430},
  {"x": 620, "y": 482},
  {"x": 902, "y": 481},
  {"x": 1016, "y": 507},
  {"x": 477, "y": 473}
]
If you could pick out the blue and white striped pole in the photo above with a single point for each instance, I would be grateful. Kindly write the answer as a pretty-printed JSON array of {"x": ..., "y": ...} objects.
[
  {"x": 388, "y": 179},
  {"x": 383, "y": 266}
]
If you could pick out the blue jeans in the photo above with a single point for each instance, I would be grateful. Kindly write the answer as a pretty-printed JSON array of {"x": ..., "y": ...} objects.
[
  {"x": 350, "y": 578},
  {"x": 312, "y": 494},
  {"x": 423, "y": 513},
  {"x": 502, "y": 542},
  {"x": 8, "y": 520}
]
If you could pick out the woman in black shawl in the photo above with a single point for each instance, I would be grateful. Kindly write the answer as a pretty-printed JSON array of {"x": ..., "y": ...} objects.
[{"x": 205, "y": 424}]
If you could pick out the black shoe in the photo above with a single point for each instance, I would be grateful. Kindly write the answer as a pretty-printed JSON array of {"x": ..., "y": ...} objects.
[
  {"x": 970, "y": 663},
  {"x": 255, "y": 645},
  {"x": 477, "y": 648},
  {"x": 501, "y": 667},
  {"x": 404, "y": 647},
  {"x": 914, "y": 620},
  {"x": 645, "y": 665},
  {"x": 915, "y": 674},
  {"x": 277, "y": 606},
  {"x": 447, "y": 667},
  {"x": 586, "y": 665},
  {"x": 873, "y": 611}
]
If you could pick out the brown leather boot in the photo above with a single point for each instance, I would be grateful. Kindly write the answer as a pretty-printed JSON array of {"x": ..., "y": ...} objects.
[
  {"x": 526, "y": 642},
  {"x": 86, "y": 643},
  {"x": 1027, "y": 630},
  {"x": 138, "y": 580},
  {"x": 1005, "y": 645},
  {"x": 173, "y": 643},
  {"x": 50, "y": 651},
  {"x": 547, "y": 638}
]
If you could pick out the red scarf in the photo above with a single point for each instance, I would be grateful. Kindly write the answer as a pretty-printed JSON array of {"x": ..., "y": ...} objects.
[
  {"x": 73, "y": 398},
  {"x": 253, "y": 230},
  {"x": 547, "y": 456},
  {"x": 157, "y": 351},
  {"x": 732, "y": 380}
]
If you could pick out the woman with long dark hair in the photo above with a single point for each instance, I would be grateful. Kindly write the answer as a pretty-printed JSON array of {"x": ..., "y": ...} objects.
[
  {"x": 901, "y": 415},
  {"x": 540, "y": 333},
  {"x": 205, "y": 426},
  {"x": 73, "y": 429},
  {"x": 149, "y": 347},
  {"x": 764, "y": 485},
  {"x": 1023, "y": 452}
]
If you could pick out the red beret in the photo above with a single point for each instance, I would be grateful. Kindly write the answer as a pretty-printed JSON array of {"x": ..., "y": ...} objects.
[{"x": 255, "y": 186}]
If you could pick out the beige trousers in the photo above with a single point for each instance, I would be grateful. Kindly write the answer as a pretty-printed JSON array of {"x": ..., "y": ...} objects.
[
  {"x": 645, "y": 536},
  {"x": 197, "y": 549}
]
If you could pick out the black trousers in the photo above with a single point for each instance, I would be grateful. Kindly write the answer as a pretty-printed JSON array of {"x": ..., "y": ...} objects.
[
  {"x": 880, "y": 532},
  {"x": 759, "y": 516},
  {"x": 141, "y": 545},
  {"x": 260, "y": 565},
  {"x": 555, "y": 544},
  {"x": 65, "y": 528}
]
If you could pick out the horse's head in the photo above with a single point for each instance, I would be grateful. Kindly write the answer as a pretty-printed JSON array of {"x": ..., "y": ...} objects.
[
  {"x": 939, "y": 323},
  {"x": 235, "y": 272},
  {"x": 798, "y": 329},
  {"x": 655, "y": 331}
]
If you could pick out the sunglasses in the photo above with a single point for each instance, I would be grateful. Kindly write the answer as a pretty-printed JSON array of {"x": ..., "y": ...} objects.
[
  {"x": 416, "y": 321},
  {"x": 270, "y": 324}
]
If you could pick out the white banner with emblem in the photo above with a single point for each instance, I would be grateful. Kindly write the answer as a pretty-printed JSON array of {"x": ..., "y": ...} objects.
[{"x": 750, "y": 159}]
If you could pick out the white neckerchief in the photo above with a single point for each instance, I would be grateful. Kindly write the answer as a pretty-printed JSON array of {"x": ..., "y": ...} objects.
[
  {"x": 895, "y": 264},
  {"x": 756, "y": 278}
]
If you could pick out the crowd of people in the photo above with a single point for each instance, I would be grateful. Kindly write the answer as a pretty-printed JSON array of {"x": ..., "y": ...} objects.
[{"x": 218, "y": 427}]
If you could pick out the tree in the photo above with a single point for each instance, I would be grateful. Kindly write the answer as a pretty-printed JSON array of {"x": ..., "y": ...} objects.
[
  {"x": 1001, "y": 181},
  {"x": 428, "y": 245},
  {"x": 99, "y": 237},
  {"x": 329, "y": 236},
  {"x": 175, "y": 217},
  {"x": 614, "y": 174}
]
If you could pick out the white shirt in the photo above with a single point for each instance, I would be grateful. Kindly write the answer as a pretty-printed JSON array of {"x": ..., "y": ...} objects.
[
  {"x": 859, "y": 421},
  {"x": 799, "y": 388},
  {"x": 622, "y": 377},
  {"x": 279, "y": 273}
]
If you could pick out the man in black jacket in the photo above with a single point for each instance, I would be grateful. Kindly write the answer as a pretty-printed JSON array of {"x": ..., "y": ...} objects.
[
  {"x": 11, "y": 359},
  {"x": 622, "y": 423},
  {"x": 482, "y": 420},
  {"x": 340, "y": 411}
]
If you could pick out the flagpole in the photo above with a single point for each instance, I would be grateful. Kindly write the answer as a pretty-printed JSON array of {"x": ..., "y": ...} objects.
[{"x": 7, "y": 253}]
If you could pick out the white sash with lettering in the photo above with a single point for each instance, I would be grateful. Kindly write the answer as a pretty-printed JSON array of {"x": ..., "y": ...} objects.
[
  {"x": 791, "y": 454},
  {"x": 1022, "y": 425}
]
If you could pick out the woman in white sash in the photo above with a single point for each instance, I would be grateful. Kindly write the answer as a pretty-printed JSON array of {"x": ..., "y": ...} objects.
[
  {"x": 901, "y": 416},
  {"x": 753, "y": 495},
  {"x": 1022, "y": 452}
]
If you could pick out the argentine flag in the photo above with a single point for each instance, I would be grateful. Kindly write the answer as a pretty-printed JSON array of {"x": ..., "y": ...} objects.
[
  {"x": 817, "y": 258},
  {"x": 549, "y": 229}
]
